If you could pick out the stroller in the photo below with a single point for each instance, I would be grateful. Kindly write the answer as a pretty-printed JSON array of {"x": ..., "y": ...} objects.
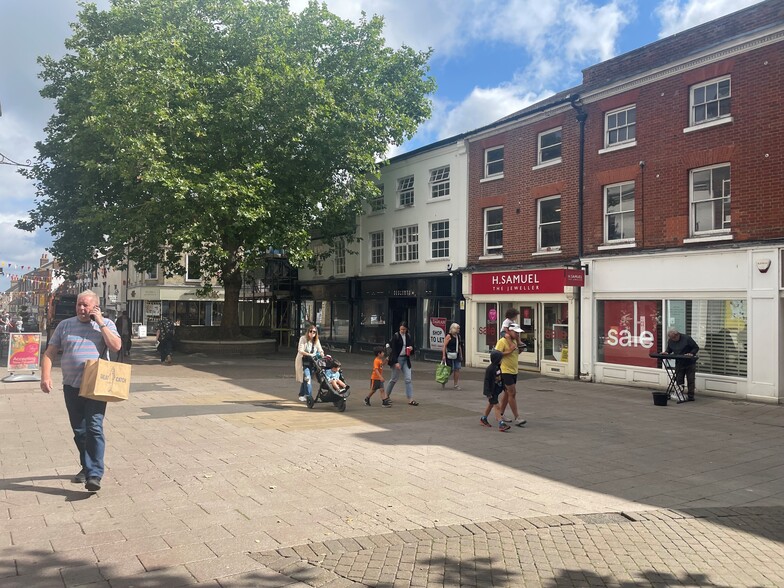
[{"x": 325, "y": 393}]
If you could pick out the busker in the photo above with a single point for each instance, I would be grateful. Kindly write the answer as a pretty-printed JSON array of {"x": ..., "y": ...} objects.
[{"x": 681, "y": 344}]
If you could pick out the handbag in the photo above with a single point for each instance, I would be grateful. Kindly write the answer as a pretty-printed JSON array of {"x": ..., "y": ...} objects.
[{"x": 442, "y": 373}]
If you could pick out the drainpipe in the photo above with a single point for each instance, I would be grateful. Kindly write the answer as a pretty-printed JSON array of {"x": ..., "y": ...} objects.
[{"x": 577, "y": 105}]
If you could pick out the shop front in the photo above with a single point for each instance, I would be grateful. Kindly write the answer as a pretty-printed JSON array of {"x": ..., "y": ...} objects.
[
  {"x": 146, "y": 306},
  {"x": 726, "y": 300},
  {"x": 429, "y": 304},
  {"x": 547, "y": 310},
  {"x": 361, "y": 314}
]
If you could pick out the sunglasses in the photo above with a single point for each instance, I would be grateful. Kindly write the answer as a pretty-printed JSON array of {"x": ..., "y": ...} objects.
[{"x": 313, "y": 331}]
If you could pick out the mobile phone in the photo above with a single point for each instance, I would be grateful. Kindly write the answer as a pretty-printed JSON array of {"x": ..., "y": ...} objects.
[{"x": 92, "y": 315}]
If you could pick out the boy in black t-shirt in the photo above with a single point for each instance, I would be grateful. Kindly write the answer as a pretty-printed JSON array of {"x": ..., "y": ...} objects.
[{"x": 494, "y": 386}]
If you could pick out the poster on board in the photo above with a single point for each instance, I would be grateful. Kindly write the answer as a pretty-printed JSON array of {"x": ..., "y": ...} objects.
[
  {"x": 24, "y": 352},
  {"x": 437, "y": 332}
]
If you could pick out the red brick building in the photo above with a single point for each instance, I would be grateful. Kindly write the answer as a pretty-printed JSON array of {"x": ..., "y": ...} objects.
[{"x": 661, "y": 177}]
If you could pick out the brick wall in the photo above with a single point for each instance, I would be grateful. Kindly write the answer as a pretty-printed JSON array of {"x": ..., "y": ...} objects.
[{"x": 752, "y": 144}]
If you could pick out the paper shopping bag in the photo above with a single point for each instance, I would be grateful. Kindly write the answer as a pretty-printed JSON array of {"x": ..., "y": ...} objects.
[{"x": 107, "y": 381}]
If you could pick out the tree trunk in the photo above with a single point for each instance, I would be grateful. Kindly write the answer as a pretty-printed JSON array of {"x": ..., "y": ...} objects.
[{"x": 230, "y": 323}]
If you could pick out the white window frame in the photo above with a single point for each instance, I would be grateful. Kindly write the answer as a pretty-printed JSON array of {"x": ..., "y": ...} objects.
[
  {"x": 694, "y": 106},
  {"x": 152, "y": 275},
  {"x": 489, "y": 162},
  {"x": 540, "y": 149},
  {"x": 406, "y": 243},
  {"x": 625, "y": 127},
  {"x": 376, "y": 241},
  {"x": 492, "y": 229},
  {"x": 440, "y": 182},
  {"x": 726, "y": 195},
  {"x": 439, "y": 239},
  {"x": 405, "y": 192},
  {"x": 377, "y": 204},
  {"x": 188, "y": 277},
  {"x": 340, "y": 258},
  {"x": 622, "y": 212},
  {"x": 541, "y": 225}
]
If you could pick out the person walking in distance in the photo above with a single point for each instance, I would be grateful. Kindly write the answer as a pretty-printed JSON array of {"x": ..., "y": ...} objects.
[
  {"x": 124, "y": 328},
  {"x": 165, "y": 338},
  {"x": 493, "y": 388},
  {"x": 88, "y": 335},
  {"x": 452, "y": 353},
  {"x": 681, "y": 344},
  {"x": 401, "y": 348},
  {"x": 509, "y": 345}
]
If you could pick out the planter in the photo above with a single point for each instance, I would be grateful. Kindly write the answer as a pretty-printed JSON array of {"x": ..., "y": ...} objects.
[{"x": 660, "y": 398}]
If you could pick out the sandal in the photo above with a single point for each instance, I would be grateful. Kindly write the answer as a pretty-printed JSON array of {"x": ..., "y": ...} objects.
[{"x": 413, "y": 403}]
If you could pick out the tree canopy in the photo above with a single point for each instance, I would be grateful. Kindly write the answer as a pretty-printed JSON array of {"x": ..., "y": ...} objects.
[{"x": 219, "y": 128}]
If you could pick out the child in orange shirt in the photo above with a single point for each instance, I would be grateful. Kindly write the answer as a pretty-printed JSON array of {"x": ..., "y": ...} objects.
[{"x": 377, "y": 378}]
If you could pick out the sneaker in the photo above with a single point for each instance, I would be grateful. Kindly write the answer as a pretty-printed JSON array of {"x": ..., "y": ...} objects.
[
  {"x": 503, "y": 427},
  {"x": 519, "y": 422},
  {"x": 458, "y": 388},
  {"x": 93, "y": 484},
  {"x": 303, "y": 398},
  {"x": 367, "y": 401},
  {"x": 483, "y": 422},
  {"x": 79, "y": 478},
  {"x": 168, "y": 360},
  {"x": 385, "y": 403}
]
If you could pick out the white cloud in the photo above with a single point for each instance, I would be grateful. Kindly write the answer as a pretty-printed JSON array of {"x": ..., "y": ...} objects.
[{"x": 676, "y": 16}]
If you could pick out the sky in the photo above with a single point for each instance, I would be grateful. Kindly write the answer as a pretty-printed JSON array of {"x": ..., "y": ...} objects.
[{"x": 490, "y": 58}]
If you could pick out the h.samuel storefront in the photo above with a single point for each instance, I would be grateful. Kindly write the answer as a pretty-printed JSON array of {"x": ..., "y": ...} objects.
[{"x": 548, "y": 311}]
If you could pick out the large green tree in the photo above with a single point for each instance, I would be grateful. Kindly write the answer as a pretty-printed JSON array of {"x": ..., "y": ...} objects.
[{"x": 219, "y": 128}]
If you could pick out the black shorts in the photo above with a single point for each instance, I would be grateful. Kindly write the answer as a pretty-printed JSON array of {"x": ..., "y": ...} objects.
[
  {"x": 493, "y": 400},
  {"x": 509, "y": 379},
  {"x": 376, "y": 385}
]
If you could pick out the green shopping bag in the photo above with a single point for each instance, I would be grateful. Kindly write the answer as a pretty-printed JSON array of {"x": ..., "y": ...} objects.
[{"x": 442, "y": 373}]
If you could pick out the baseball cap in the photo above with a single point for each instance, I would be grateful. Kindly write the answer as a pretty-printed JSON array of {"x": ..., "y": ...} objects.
[{"x": 515, "y": 327}]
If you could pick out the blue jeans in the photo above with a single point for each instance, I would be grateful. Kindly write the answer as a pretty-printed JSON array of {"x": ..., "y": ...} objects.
[
  {"x": 306, "y": 389},
  {"x": 406, "y": 371},
  {"x": 86, "y": 416}
]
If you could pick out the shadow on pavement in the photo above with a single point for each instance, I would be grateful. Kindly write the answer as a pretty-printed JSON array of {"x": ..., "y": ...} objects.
[
  {"x": 603, "y": 439},
  {"x": 26, "y": 485}
]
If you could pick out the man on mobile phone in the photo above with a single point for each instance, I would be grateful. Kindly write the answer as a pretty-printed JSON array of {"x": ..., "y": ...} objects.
[{"x": 86, "y": 336}]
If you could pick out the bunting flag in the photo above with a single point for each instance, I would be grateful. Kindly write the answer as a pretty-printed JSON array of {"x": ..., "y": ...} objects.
[{"x": 8, "y": 264}]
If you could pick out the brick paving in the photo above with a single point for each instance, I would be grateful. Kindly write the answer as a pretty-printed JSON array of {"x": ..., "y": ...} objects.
[{"x": 217, "y": 476}]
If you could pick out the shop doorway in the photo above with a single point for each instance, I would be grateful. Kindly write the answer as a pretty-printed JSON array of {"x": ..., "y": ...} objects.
[
  {"x": 404, "y": 309},
  {"x": 531, "y": 336}
]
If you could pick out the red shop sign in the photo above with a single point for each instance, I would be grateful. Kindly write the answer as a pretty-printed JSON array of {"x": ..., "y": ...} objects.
[
  {"x": 541, "y": 281},
  {"x": 574, "y": 277}
]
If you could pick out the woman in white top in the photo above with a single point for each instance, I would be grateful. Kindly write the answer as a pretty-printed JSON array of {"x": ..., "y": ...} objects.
[{"x": 307, "y": 349}]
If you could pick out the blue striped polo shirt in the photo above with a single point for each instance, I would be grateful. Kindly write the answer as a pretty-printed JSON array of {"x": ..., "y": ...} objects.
[{"x": 79, "y": 342}]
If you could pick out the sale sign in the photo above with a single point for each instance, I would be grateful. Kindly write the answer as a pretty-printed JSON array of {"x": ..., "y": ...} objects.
[{"x": 632, "y": 330}]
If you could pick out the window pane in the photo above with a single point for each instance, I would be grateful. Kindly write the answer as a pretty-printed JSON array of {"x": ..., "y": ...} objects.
[
  {"x": 724, "y": 88},
  {"x": 551, "y": 235},
  {"x": 699, "y": 95},
  {"x": 495, "y": 168},
  {"x": 551, "y": 153},
  {"x": 701, "y": 184},
  {"x": 719, "y": 327},
  {"x": 550, "y": 210},
  {"x": 495, "y": 215},
  {"x": 551, "y": 139}
]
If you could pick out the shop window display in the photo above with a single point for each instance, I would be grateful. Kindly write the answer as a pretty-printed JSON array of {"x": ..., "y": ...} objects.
[
  {"x": 373, "y": 321},
  {"x": 488, "y": 323},
  {"x": 556, "y": 334}
]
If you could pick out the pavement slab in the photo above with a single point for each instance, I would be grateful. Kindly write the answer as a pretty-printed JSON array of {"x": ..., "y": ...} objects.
[{"x": 218, "y": 476}]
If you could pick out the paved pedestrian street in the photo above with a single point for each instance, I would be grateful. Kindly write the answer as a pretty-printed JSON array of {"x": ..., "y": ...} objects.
[{"x": 218, "y": 476}]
